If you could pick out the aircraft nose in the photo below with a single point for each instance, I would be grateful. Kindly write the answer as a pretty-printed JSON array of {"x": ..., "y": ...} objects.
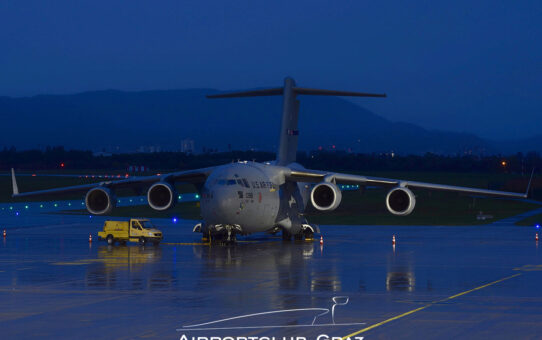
[{"x": 225, "y": 202}]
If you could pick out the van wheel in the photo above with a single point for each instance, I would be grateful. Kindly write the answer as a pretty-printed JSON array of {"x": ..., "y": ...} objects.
[
  {"x": 142, "y": 241},
  {"x": 110, "y": 240},
  {"x": 156, "y": 243}
]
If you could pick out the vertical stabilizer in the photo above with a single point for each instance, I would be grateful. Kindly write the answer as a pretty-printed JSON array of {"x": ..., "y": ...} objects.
[{"x": 289, "y": 133}]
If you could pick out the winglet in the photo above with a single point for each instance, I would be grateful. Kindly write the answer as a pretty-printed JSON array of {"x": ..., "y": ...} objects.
[
  {"x": 529, "y": 185},
  {"x": 14, "y": 183}
]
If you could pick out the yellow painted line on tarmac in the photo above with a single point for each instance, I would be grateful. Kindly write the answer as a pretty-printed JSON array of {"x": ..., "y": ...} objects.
[
  {"x": 427, "y": 306},
  {"x": 529, "y": 268},
  {"x": 186, "y": 244}
]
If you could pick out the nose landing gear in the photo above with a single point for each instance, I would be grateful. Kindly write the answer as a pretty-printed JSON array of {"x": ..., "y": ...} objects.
[{"x": 219, "y": 233}]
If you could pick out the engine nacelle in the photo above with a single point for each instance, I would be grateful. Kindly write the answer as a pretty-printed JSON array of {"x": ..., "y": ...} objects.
[
  {"x": 161, "y": 196},
  {"x": 326, "y": 196},
  {"x": 400, "y": 201},
  {"x": 100, "y": 201}
]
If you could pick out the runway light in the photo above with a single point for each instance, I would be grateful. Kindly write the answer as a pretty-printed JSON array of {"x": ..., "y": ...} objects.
[
  {"x": 26, "y": 206},
  {"x": 56, "y": 205},
  {"x": 197, "y": 196},
  {"x": 503, "y": 163},
  {"x": 174, "y": 219},
  {"x": 179, "y": 196},
  {"x": 10, "y": 208},
  {"x": 17, "y": 213},
  {"x": 537, "y": 226},
  {"x": 62, "y": 165},
  {"x": 69, "y": 204},
  {"x": 41, "y": 205}
]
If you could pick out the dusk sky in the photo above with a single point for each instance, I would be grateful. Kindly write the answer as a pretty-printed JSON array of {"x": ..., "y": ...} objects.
[{"x": 472, "y": 66}]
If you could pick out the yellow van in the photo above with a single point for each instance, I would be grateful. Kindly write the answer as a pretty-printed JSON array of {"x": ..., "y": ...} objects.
[{"x": 135, "y": 230}]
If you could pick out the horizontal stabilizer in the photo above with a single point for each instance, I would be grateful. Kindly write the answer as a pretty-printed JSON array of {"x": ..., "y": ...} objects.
[
  {"x": 297, "y": 90},
  {"x": 318, "y": 92},
  {"x": 255, "y": 93}
]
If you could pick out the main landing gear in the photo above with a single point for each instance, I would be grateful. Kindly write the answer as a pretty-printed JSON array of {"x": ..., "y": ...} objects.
[{"x": 306, "y": 233}]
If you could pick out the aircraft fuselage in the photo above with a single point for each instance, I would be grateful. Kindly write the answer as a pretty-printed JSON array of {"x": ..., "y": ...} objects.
[{"x": 253, "y": 196}]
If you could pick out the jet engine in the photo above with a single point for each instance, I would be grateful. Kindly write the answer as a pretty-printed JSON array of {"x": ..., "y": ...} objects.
[
  {"x": 326, "y": 196},
  {"x": 100, "y": 200},
  {"x": 161, "y": 196},
  {"x": 400, "y": 201}
]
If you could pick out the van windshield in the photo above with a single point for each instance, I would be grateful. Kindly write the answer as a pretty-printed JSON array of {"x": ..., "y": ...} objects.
[{"x": 146, "y": 224}]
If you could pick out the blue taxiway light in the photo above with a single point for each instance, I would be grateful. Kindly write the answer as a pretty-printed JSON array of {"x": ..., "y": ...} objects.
[{"x": 174, "y": 219}]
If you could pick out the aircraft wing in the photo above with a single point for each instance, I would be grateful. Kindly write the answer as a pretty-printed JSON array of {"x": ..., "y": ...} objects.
[
  {"x": 320, "y": 176},
  {"x": 188, "y": 176}
]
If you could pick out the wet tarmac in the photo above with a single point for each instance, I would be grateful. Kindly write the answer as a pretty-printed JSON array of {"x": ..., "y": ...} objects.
[{"x": 437, "y": 282}]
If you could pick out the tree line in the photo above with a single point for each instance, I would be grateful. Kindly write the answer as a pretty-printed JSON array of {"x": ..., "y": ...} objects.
[{"x": 57, "y": 158}]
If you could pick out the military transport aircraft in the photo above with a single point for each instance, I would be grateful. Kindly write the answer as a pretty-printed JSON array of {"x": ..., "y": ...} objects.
[{"x": 248, "y": 197}]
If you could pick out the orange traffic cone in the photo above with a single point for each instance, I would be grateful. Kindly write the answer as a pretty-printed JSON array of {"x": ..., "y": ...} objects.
[
  {"x": 89, "y": 238},
  {"x": 6, "y": 234},
  {"x": 393, "y": 240},
  {"x": 321, "y": 240}
]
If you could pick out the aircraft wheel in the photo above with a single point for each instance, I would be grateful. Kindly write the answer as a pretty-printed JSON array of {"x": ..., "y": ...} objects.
[
  {"x": 142, "y": 241},
  {"x": 110, "y": 240},
  {"x": 309, "y": 235}
]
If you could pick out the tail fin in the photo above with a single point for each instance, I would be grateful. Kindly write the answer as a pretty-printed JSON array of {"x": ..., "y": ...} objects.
[{"x": 289, "y": 133}]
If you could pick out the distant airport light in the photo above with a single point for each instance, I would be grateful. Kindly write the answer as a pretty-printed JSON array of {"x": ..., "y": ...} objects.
[
  {"x": 26, "y": 206},
  {"x": 174, "y": 219},
  {"x": 537, "y": 226},
  {"x": 17, "y": 213},
  {"x": 62, "y": 165},
  {"x": 33, "y": 175},
  {"x": 197, "y": 196},
  {"x": 179, "y": 196},
  {"x": 503, "y": 163},
  {"x": 41, "y": 205}
]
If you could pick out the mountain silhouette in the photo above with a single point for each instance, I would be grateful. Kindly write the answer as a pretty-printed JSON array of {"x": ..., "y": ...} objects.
[{"x": 124, "y": 121}]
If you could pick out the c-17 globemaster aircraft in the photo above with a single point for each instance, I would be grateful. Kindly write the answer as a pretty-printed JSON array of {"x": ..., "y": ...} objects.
[{"x": 249, "y": 197}]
